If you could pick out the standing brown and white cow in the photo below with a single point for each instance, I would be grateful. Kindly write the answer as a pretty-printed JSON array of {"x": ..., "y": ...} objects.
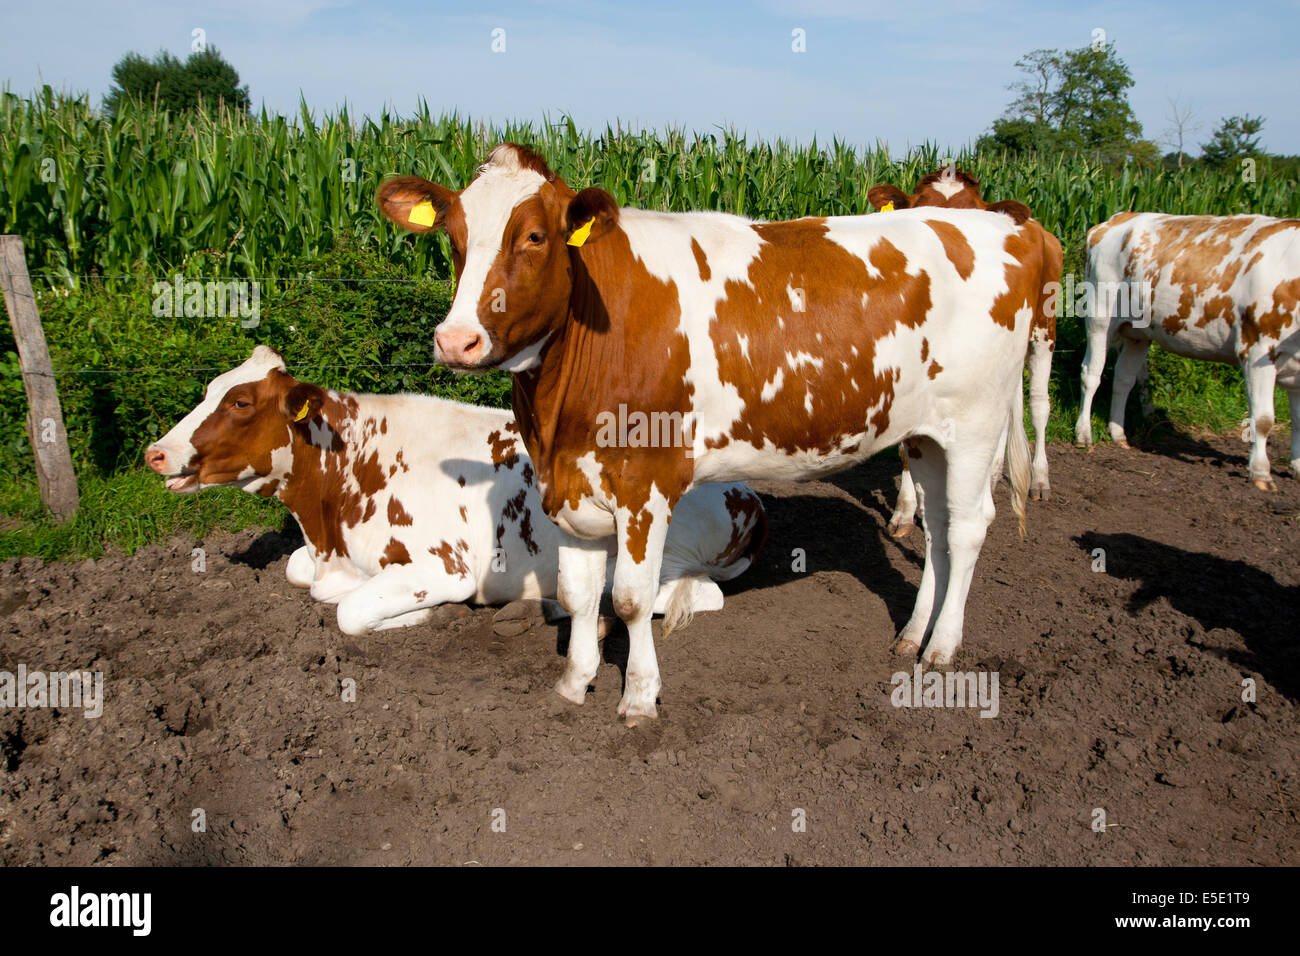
[
  {"x": 957, "y": 189},
  {"x": 1218, "y": 288},
  {"x": 787, "y": 350}
]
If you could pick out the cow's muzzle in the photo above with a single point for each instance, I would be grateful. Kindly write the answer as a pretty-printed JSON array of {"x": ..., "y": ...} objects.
[{"x": 460, "y": 348}]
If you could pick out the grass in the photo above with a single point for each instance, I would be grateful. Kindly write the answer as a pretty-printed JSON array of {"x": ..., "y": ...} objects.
[{"x": 123, "y": 511}]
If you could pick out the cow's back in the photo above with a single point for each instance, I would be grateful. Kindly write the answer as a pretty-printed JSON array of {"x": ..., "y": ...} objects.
[
  {"x": 458, "y": 490},
  {"x": 840, "y": 336},
  {"x": 1209, "y": 286}
]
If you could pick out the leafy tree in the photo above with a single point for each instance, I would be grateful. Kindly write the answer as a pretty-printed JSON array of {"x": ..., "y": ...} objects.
[
  {"x": 1019, "y": 136},
  {"x": 1236, "y": 137},
  {"x": 202, "y": 81},
  {"x": 1073, "y": 99}
]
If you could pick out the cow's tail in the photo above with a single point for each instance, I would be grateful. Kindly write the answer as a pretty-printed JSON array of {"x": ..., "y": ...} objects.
[
  {"x": 681, "y": 606},
  {"x": 1018, "y": 456}
]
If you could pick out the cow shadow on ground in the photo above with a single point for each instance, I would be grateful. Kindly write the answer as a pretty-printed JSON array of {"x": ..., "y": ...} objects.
[
  {"x": 818, "y": 533},
  {"x": 1159, "y": 435},
  {"x": 1218, "y": 593},
  {"x": 845, "y": 534},
  {"x": 271, "y": 546}
]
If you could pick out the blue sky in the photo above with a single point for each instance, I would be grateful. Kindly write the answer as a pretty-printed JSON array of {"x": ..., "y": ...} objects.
[{"x": 898, "y": 72}]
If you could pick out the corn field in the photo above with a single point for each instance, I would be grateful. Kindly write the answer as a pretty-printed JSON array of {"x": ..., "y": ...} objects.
[{"x": 148, "y": 191}]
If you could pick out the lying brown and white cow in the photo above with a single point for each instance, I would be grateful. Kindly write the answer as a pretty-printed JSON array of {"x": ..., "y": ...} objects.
[
  {"x": 408, "y": 501},
  {"x": 787, "y": 350},
  {"x": 954, "y": 188},
  {"x": 1218, "y": 288}
]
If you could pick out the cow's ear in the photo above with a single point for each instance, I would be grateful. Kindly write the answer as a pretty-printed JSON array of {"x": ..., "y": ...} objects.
[
  {"x": 1009, "y": 207},
  {"x": 887, "y": 194},
  {"x": 302, "y": 402},
  {"x": 591, "y": 214},
  {"x": 414, "y": 204}
]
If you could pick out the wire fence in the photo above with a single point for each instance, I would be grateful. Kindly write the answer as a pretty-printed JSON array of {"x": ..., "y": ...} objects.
[{"x": 57, "y": 373}]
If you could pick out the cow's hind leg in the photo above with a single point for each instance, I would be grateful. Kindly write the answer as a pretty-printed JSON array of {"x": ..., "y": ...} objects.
[
  {"x": 1094, "y": 361},
  {"x": 900, "y": 522},
  {"x": 1040, "y": 409},
  {"x": 970, "y": 511},
  {"x": 399, "y": 596},
  {"x": 636, "y": 584},
  {"x": 1132, "y": 359},
  {"x": 927, "y": 466},
  {"x": 581, "y": 583},
  {"x": 1261, "y": 375}
]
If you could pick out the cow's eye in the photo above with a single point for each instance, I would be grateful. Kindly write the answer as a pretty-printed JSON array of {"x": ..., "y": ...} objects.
[
  {"x": 240, "y": 403},
  {"x": 536, "y": 238}
]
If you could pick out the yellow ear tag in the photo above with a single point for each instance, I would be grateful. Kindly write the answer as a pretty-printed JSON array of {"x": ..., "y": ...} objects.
[
  {"x": 422, "y": 214},
  {"x": 302, "y": 412},
  {"x": 887, "y": 207},
  {"x": 581, "y": 233}
]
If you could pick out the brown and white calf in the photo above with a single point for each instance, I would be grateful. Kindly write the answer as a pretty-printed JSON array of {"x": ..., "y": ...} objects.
[
  {"x": 1218, "y": 288},
  {"x": 408, "y": 501},
  {"x": 953, "y": 188},
  {"x": 787, "y": 350}
]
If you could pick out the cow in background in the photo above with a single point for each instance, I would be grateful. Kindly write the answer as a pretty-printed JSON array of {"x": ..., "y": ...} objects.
[
  {"x": 1217, "y": 288},
  {"x": 952, "y": 188}
]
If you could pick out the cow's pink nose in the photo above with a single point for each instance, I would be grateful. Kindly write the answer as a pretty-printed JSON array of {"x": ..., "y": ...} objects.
[
  {"x": 459, "y": 346},
  {"x": 156, "y": 459}
]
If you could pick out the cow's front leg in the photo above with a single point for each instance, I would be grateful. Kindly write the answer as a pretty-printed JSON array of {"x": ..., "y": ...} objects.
[
  {"x": 900, "y": 522},
  {"x": 396, "y": 596},
  {"x": 335, "y": 578},
  {"x": 581, "y": 583},
  {"x": 929, "y": 474},
  {"x": 641, "y": 537},
  {"x": 301, "y": 569}
]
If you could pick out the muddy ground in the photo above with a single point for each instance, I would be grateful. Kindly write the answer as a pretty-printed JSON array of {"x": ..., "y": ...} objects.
[{"x": 1119, "y": 690}]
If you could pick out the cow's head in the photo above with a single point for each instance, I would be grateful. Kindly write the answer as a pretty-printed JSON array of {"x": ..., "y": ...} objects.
[
  {"x": 950, "y": 188},
  {"x": 509, "y": 230},
  {"x": 241, "y": 433}
]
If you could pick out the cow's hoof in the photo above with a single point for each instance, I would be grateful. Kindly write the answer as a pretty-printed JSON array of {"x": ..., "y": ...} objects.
[
  {"x": 904, "y": 647},
  {"x": 638, "y": 701},
  {"x": 635, "y": 720},
  {"x": 1040, "y": 493},
  {"x": 1122, "y": 443},
  {"x": 575, "y": 692},
  {"x": 899, "y": 528},
  {"x": 938, "y": 657},
  {"x": 635, "y": 712},
  {"x": 1266, "y": 484}
]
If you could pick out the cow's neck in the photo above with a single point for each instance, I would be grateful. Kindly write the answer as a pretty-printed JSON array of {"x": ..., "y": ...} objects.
[
  {"x": 596, "y": 358},
  {"x": 313, "y": 490}
]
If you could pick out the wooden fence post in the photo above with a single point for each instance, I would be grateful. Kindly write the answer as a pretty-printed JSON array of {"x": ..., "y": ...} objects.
[{"x": 45, "y": 429}]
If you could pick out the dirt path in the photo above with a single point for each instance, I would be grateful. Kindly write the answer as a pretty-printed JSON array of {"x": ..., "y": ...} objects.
[{"x": 1119, "y": 690}]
